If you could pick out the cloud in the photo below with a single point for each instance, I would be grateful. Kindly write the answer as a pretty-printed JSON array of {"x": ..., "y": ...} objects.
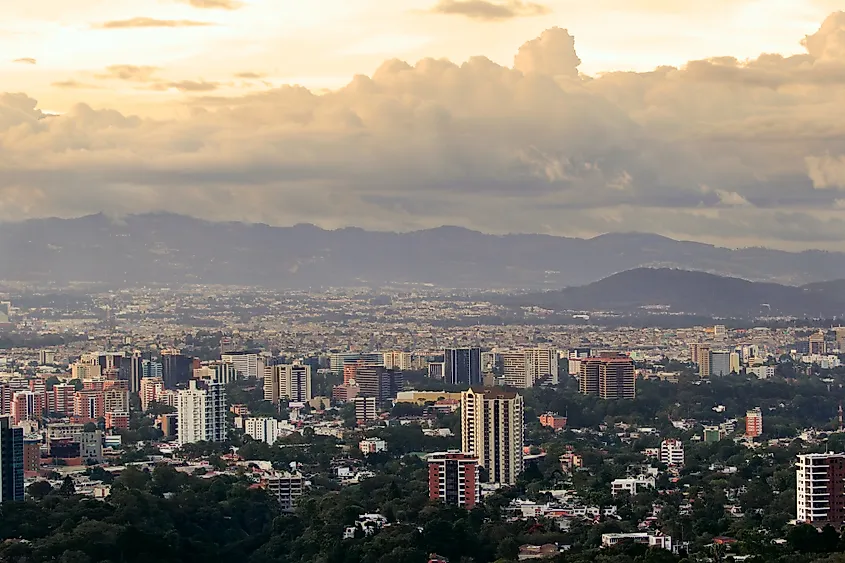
[
  {"x": 73, "y": 84},
  {"x": 531, "y": 147},
  {"x": 129, "y": 72},
  {"x": 214, "y": 4},
  {"x": 552, "y": 53},
  {"x": 143, "y": 22},
  {"x": 489, "y": 11},
  {"x": 826, "y": 172},
  {"x": 26, "y": 61},
  {"x": 186, "y": 86},
  {"x": 250, "y": 75}
]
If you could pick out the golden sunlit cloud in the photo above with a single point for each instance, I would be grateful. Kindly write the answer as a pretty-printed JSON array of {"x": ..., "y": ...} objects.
[
  {"x": 129, "y": 72},
  {"x": 214, "y": 4},
  {"x": 186, "y": 86},
  {"x": 490, "y": 11},
  {"x": 26, "y": 61},
  {"x": 150, "y": 22},
  {"x": 73, "y": 84},
  {"x": 250, "y": 75}
]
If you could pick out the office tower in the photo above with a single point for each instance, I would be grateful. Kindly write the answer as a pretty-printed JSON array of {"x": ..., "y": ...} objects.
[
  {"x": 377, "y": 382},
  {"x": 134, "y": 371},
  {"x": 247, "y": 365},
  {"x": 89, "y": 404},
  {"x": 436, "y": 370},
  {"x": 703, "y": 360},
  {"x": 46, "y": 357},
  {"x": 397, "y": 360},
  {"x": 262, "y": 429},
  {"x": 365, "y": 409},
  {"x": 492, "y": 431},
  {"x": 753, "y": 422},
  {"x": 337, "y": 361},
  {"x": 820, "y": 489},
  {"x": 462, "y": 366},
  {"x": 176, "y": 368},
  {"x": 116, "y": 399},
  {"x": 27, "y": 405},
  {"x": 62, "y": 402},
  {"x": 453, "y": 479},
  {"x": 11, "y": 461},
  {"x": 152, "y": 388},
  {"x": 294, "y": 382},
  {"x": 152, "y": 369},
  {"x": 202, "y": 414},
  {"x": 720, "y": 363},
  {"x": 610, "y": 377},
  {"x": 217, "y": 372},
  {"x": 672, "y": 452}
]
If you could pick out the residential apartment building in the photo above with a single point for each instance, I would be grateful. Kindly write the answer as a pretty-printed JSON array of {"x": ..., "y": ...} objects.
[
  {"x": 672, "y": 452},
  {"x": 453, "y": 478},
  {"x": 397, "y": 360},
  {"x": 262, "y": 429},
  {"x": 246, "y": 365},
  {"x": 820, "y": 489},
  {"x": 492, "y": 431},
  {"x": 290, "y": 381},
  {"x": 152, "y": 388},
  {"x": 202, "y": 414},
  {"x": 365, "y": 409},
  {"x": 754, "y": 423},
  {"x": 610, "y": 377}
]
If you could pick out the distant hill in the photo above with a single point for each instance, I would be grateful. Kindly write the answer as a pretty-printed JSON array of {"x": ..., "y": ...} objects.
[
  {"x": 694, "y": 293},
  {"x": 166, "y": 248}
]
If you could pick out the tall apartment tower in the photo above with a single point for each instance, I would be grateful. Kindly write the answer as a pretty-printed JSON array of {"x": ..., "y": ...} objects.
[
  {"x": 820, "y": 489},
  {"x": 702, "y": 358},
  {"x": 754, "y": 422},
  {"x": 11, "y": 461},
  {"x": 202, "y": 414},
  {"x": 135, "y": 372},
  {"x": 462, "y": 366},
  {"x": 295, "y": 382},
  {"x": 609, "y": 377},
  {"x": 453, "y": 479},
  {"x": 492, "y": 426}
]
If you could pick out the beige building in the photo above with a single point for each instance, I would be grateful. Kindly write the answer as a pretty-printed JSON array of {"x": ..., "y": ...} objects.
[
  {"x": 291, "y": 381},
  {"x": 397, "y": 360},
  {"x": 492, "y": 422}
]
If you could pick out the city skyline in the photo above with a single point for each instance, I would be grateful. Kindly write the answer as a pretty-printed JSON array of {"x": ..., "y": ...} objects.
[{"x": 528, "y": 129}]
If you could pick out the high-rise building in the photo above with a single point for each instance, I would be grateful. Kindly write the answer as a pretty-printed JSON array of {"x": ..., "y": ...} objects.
[
  {"x": 248, "y": 365},
  {"x": 116, "y": 399},
  {"x": 365, "y": 409},
  {"x": 720, "y": 363},
  {"x": 295, "y": 382},
  {"x": 176, "y": 368},
  {"x": 89, "y": 404},
  {"x": 272, "y": 391},
  {"x": 217, "y": 372},
  {"x": 337, "y": 361},
  {"x": 152, "y": 388},
  {"x": 377, "y": 382},
  {"x": 27, "y": 405},
  {"x": 134, "y": 370},
  {"x": 46, "y": 357},
  {"x": 817, "y": 344},
  {"x": 152, "y": 369},
  {"x": 453, "y": 479},
  {"x": 262, "y": 429},
  {"x": 609, "y": 377},
  {"x": 462, "y": 366},
  {"x": 11, "y": 461},
  {"x": 62, "y": 399},
  {"x": 672, "y": 452},
  {"x": 397, "y": 360},
  {"x": 436, "y": 370},
  {"x": 820, "y": 489},
  {"x": 525, "y": 368},
  {"x": 720, "y": 331},
  {"x": 492, "y": 429},
  {"x": 754, "y": 422},
  {"x": 701, "y": 356},
  {"x": 202, "y": 414}
]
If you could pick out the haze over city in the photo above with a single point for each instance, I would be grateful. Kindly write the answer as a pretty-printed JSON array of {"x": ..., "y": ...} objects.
[{"x": 709, "y": 121}]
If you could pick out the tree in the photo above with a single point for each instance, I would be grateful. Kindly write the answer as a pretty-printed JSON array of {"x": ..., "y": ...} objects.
[
  {"x": 39, "y": 489},
  {"x": 68, "y": 488}
]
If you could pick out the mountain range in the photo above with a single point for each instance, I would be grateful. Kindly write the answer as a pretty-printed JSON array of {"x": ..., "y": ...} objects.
[
  {"x": 169, "y": 249},
  {"x": 661, "y": 291}
]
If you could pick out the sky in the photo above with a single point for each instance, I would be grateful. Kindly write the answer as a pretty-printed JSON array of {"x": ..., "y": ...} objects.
[{"x": 712, "y": 120}]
